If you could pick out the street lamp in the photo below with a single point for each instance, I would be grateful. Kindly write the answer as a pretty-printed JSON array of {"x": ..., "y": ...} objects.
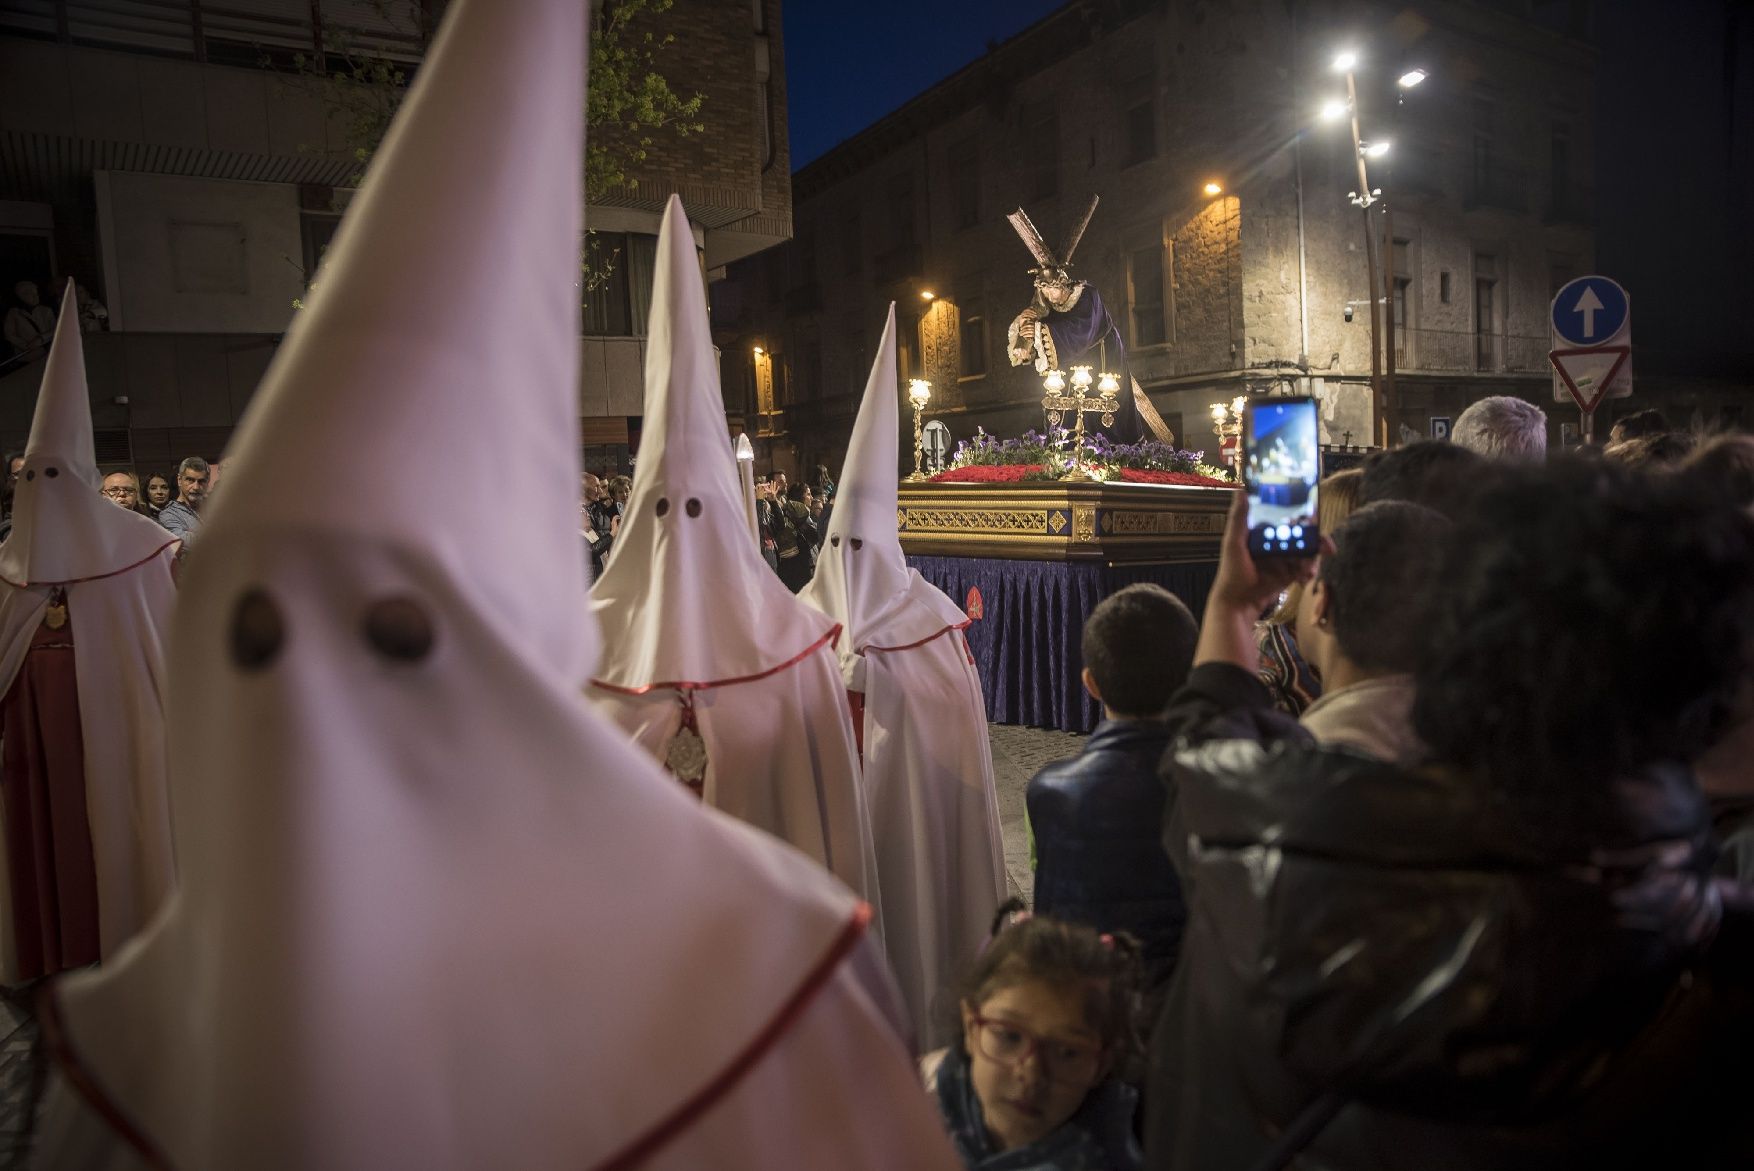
[
  {"x": 1382, "y": 358},
  {"x": 919, "y": 393},
  {"x": 1213, "y": 188}
]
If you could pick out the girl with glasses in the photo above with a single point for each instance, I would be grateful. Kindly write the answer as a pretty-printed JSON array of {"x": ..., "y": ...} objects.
[{"x": 1034, "y": 1079}]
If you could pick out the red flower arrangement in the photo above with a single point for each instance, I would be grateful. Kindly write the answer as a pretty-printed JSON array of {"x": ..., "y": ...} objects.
[
  {"x": 1013, "y": 473},
  {"x": 1152, "y": 476},
  {"x": 988, "y": 474}
]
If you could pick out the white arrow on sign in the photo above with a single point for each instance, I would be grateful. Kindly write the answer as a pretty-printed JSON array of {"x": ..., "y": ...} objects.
[{"x": 1587, "y": 305}]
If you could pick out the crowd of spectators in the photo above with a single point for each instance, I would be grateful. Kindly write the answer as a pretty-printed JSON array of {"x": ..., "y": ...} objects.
[{"x": 1432, "y": 848}]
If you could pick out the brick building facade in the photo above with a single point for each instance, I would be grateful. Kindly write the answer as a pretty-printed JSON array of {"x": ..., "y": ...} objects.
[
  {"x": 174, "y": 161},
  {"x": 1259, "y": 286}
]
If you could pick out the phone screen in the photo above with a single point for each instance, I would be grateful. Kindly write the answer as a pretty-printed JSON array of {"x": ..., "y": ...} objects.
[{"x": 1282, "y": 463}]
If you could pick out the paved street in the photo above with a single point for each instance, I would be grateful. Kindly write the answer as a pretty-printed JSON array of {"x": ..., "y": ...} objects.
[{"x": 1017, "y": 754}]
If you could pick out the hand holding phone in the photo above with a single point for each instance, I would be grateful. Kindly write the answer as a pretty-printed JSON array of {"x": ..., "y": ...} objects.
[{"x": 1281, "y": 456}]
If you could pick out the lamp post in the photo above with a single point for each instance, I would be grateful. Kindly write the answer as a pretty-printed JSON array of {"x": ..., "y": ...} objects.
[
  {"x": 919, "y": 393},
  {"x": 1382, "y": 356}
]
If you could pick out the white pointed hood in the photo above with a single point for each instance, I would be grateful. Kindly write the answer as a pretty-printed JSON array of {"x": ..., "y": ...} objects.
[
  {"x": 63, "y": 529},
  {"x": 424, "y": 887},
  {"x": 862, "y": 578},
  {"x": 686, "y": 596}
]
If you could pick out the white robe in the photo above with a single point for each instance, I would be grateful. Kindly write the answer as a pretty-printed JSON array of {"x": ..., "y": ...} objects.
[
  {"x": 780, "y": 756},
  {"x": 934, "y": 815},
  {"x": 120, "y": 625}
]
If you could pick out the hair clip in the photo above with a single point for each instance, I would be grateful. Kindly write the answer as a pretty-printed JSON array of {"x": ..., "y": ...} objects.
[{"x": 1108, "y": 941}]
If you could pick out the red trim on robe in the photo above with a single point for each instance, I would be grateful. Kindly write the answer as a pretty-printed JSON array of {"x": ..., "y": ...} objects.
[
  {"x": 85, "y": 1085},
  {"x": 95, "y": 577},
  {"x": 963, "y": 625},
  {"x": 829, "y": 639},
  {"x": 668, "y": 1129},
  {"x": 655, "y": 1139}
]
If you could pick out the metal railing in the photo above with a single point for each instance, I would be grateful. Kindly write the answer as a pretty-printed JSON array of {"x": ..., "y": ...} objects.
[{"x": 1456, "y": 350}]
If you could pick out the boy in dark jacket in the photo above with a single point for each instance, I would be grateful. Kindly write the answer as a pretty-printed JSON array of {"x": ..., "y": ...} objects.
[{"x": 1097, "y": 818}]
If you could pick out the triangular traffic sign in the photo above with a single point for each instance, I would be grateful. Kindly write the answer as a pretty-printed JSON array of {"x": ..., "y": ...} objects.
[{"x": 1588, "y": 372}]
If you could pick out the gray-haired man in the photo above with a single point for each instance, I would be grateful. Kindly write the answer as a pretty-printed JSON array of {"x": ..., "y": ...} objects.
[{"x": 182, "y": 516}]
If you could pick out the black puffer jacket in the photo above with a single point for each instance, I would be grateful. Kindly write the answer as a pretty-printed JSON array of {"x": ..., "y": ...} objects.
[{"x": 1474, "y": 979}]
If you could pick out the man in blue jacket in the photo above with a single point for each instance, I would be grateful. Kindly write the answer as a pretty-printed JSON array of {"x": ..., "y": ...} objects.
[{"x": 1097, "y": 818}]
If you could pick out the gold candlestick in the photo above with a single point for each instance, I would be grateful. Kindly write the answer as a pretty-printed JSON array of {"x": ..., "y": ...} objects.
[
  {"x": 1057, "y": 403},
  {"x": 919, "y": 393}
]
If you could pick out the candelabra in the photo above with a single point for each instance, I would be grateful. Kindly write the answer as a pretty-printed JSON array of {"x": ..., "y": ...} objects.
[
  {"x": 919, "y": 393},
  {"x": 1058, "y": 404},
  {"x": 1227, "y": 425}
]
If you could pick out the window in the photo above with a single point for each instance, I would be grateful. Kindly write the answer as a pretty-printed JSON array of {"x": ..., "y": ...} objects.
[
  {"x": 1146, "y": 283},
  {"x": 1443, "y": 286},
  {"x": 1486, "y": 310},
  {"x": 1484, "y": 116},
  {"x": 900, "y": 202},
  {"x": 1561, "y": 167},
  {"x": 810, "y": 370},
  {"x": 318, "y": 232},
  {"x": 1401, "y": 304},
  {"x": 803, "y": 257},
  {"x": 618, "y": 306},
  {"x": 972, "y": 338},
  {"x": 1138, "y": 120},
  {"x": 965, "y": 184},
  {"x": 852, "y": 244},
  {"x": 1560, "y": 269},
  {"x": 1041, "y": 151}
]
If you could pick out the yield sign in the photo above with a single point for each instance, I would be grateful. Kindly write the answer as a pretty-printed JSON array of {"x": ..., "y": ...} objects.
[{"x": 1589, "y": 371}]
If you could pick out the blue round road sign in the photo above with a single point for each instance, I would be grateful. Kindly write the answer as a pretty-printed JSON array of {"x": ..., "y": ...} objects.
[{"x": 1590, "y": 310}]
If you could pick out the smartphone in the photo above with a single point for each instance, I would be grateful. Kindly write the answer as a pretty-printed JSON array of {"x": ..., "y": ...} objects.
[{"x": 1281, "y": 455}]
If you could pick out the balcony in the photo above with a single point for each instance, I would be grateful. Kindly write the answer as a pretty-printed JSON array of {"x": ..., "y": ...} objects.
[
  {"x": 1493, "y": 185},
  {"x": 1454, "y": 351},
  {"x": 901, "y": 263},
  {"x": 803, "y": 298},
  {"x": 1571, "y": 204}
]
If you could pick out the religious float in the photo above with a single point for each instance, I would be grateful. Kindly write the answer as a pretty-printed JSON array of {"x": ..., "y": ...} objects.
[{"x": 1029, "y": 534}]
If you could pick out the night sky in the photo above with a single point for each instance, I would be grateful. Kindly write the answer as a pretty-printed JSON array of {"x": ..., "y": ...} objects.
[{"x": 848, "y": 64}]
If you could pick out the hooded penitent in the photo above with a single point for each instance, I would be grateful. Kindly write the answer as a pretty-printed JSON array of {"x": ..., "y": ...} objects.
[
  {"x": 927, "y": 765},
  {"x": 711, "y": 664},
  {"x": 434, "y": 912},
  {"x": 85, "y": 603}
]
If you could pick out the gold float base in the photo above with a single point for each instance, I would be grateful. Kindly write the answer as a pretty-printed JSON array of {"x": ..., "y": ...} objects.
[{"x": 1064, "y": 520}]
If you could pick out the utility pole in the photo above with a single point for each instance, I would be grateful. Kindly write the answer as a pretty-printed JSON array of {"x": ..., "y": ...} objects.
[{"x": 1364, "y": 197}]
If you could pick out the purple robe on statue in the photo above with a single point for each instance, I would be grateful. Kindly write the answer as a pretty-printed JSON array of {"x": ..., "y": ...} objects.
[{"x": 1077, "y": 330}]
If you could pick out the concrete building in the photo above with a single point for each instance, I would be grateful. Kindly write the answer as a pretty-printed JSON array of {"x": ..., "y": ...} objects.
[
  {"x": 175, "y": 160},
  {"x": 1260, "y": 283}
]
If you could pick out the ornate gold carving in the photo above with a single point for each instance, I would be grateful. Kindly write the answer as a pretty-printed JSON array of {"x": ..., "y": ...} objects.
[
  {"x": 975, "y": 520},
  {"x": 1083, "y": 523},
  {"x": 900, "y": 518},
  {"x": 1057, "y": 522},
  {"x": 1142, "y": 524}
]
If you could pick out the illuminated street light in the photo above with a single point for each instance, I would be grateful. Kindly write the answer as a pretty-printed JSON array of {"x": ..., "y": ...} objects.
[
  {"x": 1334, "y": 109},
  {"x": 759, "y": 351},
  {"x": 1213, "y": 189},
  {"x": 1346, "y": 61},
  {"x": 1375, "y": 150},
  {"x": 927, "y": 294},
  {"x": 1411, "y": 78}
]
